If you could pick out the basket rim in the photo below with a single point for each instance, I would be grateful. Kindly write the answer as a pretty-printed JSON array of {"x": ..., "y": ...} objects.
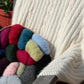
[
  {"x": 12, "y": 25},
  {"x": 5, "y": 27}
]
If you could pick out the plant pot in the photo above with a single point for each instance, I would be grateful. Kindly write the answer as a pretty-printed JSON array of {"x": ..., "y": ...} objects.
[{"x": 5, "y": 20}]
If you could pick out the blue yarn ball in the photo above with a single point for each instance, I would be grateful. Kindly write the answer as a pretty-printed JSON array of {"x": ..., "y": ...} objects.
[
  {"x": 2, "y": 53},
  {"x": 26, "y": 34},
  {"x": 43, "y": 45},
  {"x": 12, "y": 79}
]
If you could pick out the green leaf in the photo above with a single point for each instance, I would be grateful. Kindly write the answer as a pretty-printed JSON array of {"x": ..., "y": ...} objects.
[
  {"x": 5, "y": 12},
  {"x": 6, "y": 3}
]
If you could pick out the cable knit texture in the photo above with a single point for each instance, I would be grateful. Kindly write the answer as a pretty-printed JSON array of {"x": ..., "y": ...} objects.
[{"x": 61, "y": 23}]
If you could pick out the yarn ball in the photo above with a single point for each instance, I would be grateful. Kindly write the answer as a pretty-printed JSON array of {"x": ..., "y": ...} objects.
[
  {"x": 59, "y": 82},
  {"x": 13, "y": 79},
  {"x": 26, "y": 34},
  {"x": 4, "y": 38},
  {"x": 20, "y": 69},
  {"x": 2, "y": 53},
  {"x": 30, "y": 61},
  {"x": 41, "y": 43},
  {"x": 24, "y": 57},
  {"x": 33, "y": 50},
  {"x": 3, "y": 64},
  {"x": 11, "y": 69},
  {"x": 28, "y": 76},
  {"x": 0, "y": 39},
  {"x": 42, "y": 63},
  {"x": 11, "y": 53},
  {"x": 14, "y": 34}
]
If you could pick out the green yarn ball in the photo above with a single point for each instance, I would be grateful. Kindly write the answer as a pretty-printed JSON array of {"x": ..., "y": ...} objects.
[{"x": 11, "y": 53}]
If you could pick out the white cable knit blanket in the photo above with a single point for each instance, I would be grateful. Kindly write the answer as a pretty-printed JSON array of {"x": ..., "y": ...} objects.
[{"x": 61, "y": 23}]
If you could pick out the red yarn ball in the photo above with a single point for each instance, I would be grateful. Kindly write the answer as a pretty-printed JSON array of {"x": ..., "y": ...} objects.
[
  {"x": 30, "y": 61},
  {"x": 24, "y": 57},
  {"x": 14, "y": 34}
]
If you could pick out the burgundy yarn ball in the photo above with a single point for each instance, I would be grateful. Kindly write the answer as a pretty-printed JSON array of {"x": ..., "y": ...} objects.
[
  {"x": 24, "y": 57},
  {"x": 14, "y": 34},
  {"x": 30, "y": 61},
  {"x": 4, "y": 38},
  {"x": 3, "y": 64}
]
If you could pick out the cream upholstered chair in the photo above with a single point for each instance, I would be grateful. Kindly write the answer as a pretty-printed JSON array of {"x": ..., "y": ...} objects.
[{"x": 61, "y": 23}]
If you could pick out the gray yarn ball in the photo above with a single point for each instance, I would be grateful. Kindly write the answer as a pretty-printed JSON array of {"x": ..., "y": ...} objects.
[
  {"x": 13, "y": 79},
  {"x": 28, "y": 76}
]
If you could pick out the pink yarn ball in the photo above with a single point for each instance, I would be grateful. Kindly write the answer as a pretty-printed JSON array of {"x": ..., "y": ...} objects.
[{"x": 11, "y": 69}]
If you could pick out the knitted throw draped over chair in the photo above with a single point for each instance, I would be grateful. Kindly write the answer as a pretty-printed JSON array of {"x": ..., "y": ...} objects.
[{"x": 61, "y": 23}]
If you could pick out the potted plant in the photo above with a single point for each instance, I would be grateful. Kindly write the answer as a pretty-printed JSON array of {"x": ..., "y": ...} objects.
[{"x": 6, "y": 7}]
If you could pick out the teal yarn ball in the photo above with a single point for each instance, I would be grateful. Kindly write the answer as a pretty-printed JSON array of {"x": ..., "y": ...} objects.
[
  {"x": 43, "y": 45},
  {"x": 26, "y": 34},
  {"x": 12, "y": 79},
  {"x": 11, "y": 53}
]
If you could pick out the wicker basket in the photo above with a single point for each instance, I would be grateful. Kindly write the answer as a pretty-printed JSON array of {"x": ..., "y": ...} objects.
[{"x": 56, "y": 81}]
